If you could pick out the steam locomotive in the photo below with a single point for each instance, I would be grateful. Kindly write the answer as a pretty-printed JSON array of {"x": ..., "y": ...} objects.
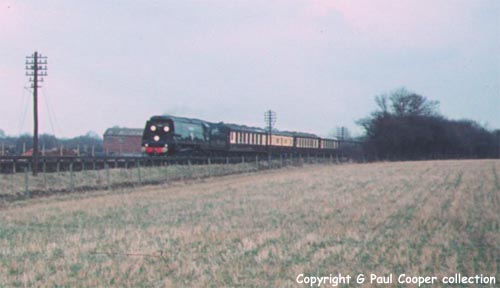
[{"x": 172, "y": 135}]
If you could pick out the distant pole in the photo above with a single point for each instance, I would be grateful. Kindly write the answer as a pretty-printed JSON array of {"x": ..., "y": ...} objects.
[
  {"x": 270, "y": 118},
  {"x": 35, "y": 69},
  {"x": 342, "y": 133},
  {"x": 498, "y": 140}
]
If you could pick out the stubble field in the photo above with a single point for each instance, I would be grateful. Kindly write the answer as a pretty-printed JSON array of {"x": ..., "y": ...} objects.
[{"x": 262, "y": 229}]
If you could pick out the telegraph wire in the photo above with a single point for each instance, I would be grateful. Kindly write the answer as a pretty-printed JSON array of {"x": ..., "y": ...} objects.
[
  {"x": 52, "y": 117},
  {"x": 22, "y": 114}
]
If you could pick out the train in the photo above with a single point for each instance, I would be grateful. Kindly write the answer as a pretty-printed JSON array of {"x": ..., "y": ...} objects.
[{"x": 172, "y": 135}]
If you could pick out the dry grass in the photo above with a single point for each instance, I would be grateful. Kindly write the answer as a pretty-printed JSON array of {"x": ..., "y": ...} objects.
[{"x": 262, "y": 229}]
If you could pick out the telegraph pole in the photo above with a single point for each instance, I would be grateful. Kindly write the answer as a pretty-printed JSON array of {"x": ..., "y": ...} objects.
[
  {"x": 498, "y": 141},
  {"x": 270, "y": 118},
  {"x": 34, "y": 70},
  {"x": 342, "y": 133}
]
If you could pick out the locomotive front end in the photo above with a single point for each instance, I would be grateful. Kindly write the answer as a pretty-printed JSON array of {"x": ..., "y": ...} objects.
[{"x": 157, "y": 137}]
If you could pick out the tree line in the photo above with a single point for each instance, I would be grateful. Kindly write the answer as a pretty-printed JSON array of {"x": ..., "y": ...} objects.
[
  {"x": 408, "y": 126},
  {"x": 17, "y": 145}
]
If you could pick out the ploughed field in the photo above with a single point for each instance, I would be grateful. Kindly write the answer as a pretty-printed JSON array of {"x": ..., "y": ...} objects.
[{"x": 263, "y": 229}]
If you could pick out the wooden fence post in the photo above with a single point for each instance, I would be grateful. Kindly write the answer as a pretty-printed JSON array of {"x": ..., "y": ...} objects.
[
  {"x": 159, "y": 172},
  {"x": 12, "y": 177},
  {"x": 209, "y": 162},
  {"x": 98, "y": 177},
  {"x": 26, "y": 179},
  {"x": 44, "y": 171},
  {"x": 190, "y": 171},
  {"x": 71, "y": 178},
  {"x": 138, "y": 165},
  {"x": 108, "y": 180},
  {"x": 166, "y": 170}
]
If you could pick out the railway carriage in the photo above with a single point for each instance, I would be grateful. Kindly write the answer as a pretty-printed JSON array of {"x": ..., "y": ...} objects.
[
  {"x": 282, "y": 142},
  {"x": 329, "y": 144},
  {"x": 246, "y": 139},
  {"x": 307, "y": 143}
]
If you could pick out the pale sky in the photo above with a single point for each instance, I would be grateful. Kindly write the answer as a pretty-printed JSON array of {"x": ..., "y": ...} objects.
[{"x": 318, "y": 64}]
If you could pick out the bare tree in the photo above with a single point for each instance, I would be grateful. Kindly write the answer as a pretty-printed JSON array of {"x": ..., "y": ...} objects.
[{"x": 406, "y": 103}]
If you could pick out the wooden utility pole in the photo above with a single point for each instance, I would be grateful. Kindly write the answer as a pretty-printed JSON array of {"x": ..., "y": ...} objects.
[
  {"x": 270, "y": 118},
  {"x": 35, "y": 69},
  {"x": 342, "y": 133},
  {"x": 498, "y": 142}
]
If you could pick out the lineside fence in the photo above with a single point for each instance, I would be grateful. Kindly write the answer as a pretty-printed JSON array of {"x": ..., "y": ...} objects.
[{"x": 85, "y": 174}]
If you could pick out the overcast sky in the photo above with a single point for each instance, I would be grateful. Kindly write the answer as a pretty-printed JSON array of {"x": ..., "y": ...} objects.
[{"x": 318, "y": 64}]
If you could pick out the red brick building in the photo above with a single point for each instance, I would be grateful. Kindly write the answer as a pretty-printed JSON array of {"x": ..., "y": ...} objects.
[{"x": 119, "y": 140}]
